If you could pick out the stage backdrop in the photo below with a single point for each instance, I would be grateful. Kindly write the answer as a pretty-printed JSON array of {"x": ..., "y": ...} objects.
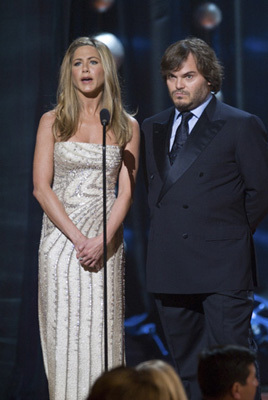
[{"x": 34, "y": 36}]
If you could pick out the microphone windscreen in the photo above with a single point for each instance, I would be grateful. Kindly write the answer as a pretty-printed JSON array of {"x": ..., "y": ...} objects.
[{"x": 104, "y": 116}]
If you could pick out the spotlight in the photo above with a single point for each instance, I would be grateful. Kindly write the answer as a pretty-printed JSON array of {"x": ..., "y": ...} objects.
[
  {"x": 102, "y": 5},
  {"x": 114, "y": 45},
  {"x": 208, "y": 16}
]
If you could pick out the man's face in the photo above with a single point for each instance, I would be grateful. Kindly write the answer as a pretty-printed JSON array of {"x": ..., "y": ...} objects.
[
  {"x": 188, "y": 89},
  {"x": 248, "y": 391}
]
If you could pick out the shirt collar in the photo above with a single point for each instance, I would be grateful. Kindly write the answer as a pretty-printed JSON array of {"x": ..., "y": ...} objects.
[{"x": 197, "y": 112}]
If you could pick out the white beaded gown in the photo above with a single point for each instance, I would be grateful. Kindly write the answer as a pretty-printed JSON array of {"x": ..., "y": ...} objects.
[{"x": 71, "y": 313}]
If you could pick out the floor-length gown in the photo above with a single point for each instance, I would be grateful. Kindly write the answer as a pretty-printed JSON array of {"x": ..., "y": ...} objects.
[{"x": 70, "y": 296}]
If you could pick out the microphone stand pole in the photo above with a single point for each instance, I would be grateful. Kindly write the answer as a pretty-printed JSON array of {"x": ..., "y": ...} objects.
[{"x": 105, "y": 250}]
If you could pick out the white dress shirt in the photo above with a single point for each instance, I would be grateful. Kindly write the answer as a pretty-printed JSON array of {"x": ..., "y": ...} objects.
[{"x": 197, "y": 112}]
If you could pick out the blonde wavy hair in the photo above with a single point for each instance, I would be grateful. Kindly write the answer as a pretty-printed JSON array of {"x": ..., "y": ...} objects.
[
  {"x": 67, "y": 110},
  {"x": 165, "y": 378}
]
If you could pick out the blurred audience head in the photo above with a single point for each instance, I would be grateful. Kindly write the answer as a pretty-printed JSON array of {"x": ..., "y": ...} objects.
[
  {"x": 125, "y": 383},
  {"x": 227, "y": 372},
  {"x": 165, "y": 378}
]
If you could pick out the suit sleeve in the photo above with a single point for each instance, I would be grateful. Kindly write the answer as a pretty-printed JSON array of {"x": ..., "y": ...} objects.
[{"x": 252, "y": 157}]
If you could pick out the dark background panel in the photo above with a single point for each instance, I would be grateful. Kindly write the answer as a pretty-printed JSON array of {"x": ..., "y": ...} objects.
[{"x": 34, "y": 36}]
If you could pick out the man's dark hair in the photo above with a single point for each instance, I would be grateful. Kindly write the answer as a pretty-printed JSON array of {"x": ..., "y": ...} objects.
[
  {"x": 206, "y": 61},
  {"x": 219, "y": 368}
]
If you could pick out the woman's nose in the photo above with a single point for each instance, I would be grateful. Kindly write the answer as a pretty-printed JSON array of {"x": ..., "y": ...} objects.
[{"x": 85, "y": 68}]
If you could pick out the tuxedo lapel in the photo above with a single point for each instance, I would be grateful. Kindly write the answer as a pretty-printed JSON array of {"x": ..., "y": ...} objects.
[
  {"x": 202, "y": 134},
  {"x": 161, "y": 135}
]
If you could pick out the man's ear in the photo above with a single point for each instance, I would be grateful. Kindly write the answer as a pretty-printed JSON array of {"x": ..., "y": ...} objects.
[{"x": 235, "y": 391}]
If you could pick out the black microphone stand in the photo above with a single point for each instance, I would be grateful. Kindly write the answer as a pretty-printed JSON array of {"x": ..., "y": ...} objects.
[{"x": 104, "y": 115}]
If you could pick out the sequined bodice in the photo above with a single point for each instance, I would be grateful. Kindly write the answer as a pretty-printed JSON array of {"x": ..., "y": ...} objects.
[{"x": 78, "y": 172}]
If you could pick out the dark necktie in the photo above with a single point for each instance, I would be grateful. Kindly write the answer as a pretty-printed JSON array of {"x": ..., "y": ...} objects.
[{"x": 182, "y": 133}]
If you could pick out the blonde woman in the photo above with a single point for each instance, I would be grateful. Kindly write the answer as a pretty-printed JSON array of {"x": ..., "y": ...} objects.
[
  {"x": 67, "y": 177},
  {"x": 166, "y": 378}
]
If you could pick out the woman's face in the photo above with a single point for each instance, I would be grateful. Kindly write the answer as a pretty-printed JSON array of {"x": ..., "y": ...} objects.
[{"x": 87, "y": 71}]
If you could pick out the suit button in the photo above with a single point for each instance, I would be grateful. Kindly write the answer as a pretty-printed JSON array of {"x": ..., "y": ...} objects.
[
  {"x": 185, "y": 206},
  {"x": 152, "y": 176},
  {"x": 201, "y": 174},
  {"x": 185, "y": 235},
  {"x": 159, "y": 204}
]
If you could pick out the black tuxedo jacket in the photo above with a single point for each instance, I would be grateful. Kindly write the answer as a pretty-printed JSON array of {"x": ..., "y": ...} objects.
[{"x": 204, "y": 209}]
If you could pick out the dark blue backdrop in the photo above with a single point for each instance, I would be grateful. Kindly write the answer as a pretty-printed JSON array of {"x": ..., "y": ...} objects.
[{"x": 34, "y": 36}]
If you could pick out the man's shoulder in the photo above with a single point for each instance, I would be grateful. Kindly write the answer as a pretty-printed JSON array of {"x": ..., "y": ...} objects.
[
  {"x": 237, "y": 116},
  {"x": 231, "y": 111},
  {"x": 160, "y": 117}
]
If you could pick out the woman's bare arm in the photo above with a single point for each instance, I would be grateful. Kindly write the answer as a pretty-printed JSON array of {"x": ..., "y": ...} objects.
[{"x": 42, "y": 180}]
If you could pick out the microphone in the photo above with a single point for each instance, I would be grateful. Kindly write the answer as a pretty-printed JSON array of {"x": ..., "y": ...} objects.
[{"x": 104, "y": 117}]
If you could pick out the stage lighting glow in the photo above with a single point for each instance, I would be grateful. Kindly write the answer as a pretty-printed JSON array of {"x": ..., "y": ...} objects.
[
  {"x": 102, "y": 5},
  {"x": 115, "y": 46},
  {"x": 208, "y": 16},
  {"x": 219, "y": 96}
]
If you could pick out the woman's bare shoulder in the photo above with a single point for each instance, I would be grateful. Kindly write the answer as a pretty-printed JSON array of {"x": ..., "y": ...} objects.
[
  {"x": 45, "y": 128},
  {"x": 133, "y": 122},
  {"x": 48, "y": 118}
]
